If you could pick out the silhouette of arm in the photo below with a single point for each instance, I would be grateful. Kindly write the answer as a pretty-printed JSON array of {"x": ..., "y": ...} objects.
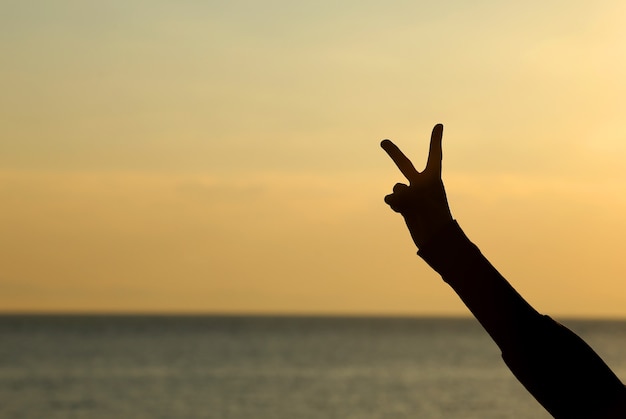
[{"x": 556, "y": 366}]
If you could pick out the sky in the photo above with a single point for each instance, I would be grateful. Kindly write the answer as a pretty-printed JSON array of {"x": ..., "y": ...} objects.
[{"x": 223, "y": 156}]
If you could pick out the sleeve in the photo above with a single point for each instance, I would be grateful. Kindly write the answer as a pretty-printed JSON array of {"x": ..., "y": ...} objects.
[{"x": 555, "y": 365}]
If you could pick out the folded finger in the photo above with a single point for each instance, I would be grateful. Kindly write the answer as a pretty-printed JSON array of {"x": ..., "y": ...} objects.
[
  {"x": 392, "y": 201},
  {"x": 400, "y": 187}
]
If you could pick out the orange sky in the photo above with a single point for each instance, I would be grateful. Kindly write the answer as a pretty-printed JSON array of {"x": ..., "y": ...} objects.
[{"x": 223, "y": 157}]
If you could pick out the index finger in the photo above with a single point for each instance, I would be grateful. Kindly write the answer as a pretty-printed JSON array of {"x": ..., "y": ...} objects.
[{"x": 402, "y": 161}]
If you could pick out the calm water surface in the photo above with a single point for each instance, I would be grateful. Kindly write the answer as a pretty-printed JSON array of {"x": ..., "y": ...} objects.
[{"x": 264, "y": 367}]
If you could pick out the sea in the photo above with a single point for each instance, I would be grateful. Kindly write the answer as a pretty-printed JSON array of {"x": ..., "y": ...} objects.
[{"x": 242, "y": 367}]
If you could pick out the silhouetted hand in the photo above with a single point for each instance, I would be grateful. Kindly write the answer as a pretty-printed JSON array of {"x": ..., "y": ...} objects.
[{"x": 423, "y": 202}]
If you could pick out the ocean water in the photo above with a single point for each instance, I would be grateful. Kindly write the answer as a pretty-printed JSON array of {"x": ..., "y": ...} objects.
[{"x": 265, "y": 367}]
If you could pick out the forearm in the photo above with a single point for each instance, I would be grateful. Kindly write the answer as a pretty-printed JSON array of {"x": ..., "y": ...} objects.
[
  {"x": 490, "y": 298},
  {"x": 559, "y": 369}
]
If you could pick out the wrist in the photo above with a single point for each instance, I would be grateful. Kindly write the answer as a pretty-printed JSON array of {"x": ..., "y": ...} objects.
[{"x": 424, "y": 230}]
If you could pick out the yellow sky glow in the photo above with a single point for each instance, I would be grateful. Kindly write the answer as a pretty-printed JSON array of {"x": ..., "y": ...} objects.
[{"x": 223, "y": 157}]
